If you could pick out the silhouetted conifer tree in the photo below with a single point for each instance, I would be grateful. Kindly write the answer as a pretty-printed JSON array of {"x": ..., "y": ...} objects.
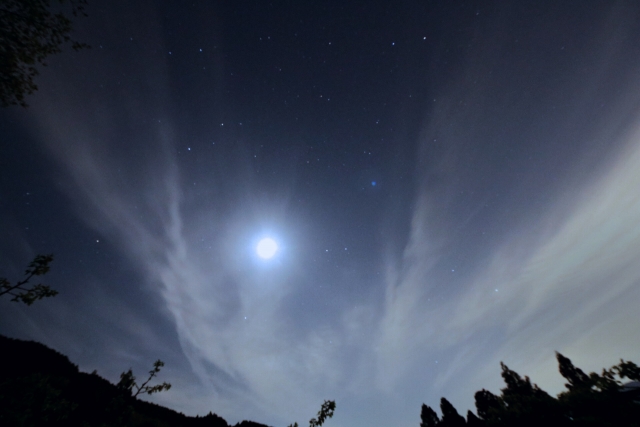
[
  {"x": 592, "y": 400},
  {"x": 598, "y": 399},
  {"x": 575, "y": 376},
  {"x": 473, "y": 420},
  {"x": 525, "y": 404},
  {"x": 428, "y": 417},
  {"x": 450, "y": 416},
  {"x": 489, "y": 406},
  {"x": 627, "y": 370}
]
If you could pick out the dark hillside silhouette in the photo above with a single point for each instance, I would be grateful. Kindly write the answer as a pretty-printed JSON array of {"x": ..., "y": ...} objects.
[{"x": 41, "y": 387}]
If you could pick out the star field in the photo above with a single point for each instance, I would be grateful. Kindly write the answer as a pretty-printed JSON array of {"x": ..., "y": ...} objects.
[{"x": 447, "y": 185}]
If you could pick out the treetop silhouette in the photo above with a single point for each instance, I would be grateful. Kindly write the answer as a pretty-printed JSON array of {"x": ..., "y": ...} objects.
[
  {"x": 128, "y": 382},
  {"x": 590, "y": 400},
  {"x": 326, "y": 411}
]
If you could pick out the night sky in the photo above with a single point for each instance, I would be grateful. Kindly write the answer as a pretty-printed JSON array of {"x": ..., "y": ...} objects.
[{"x": 450, "y": 185}]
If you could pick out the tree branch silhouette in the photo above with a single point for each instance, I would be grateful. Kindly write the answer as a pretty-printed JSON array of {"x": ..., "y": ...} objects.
[
  {"x": 326, "y": 411},
  {"x": 128, "y": 382},
  {"x": 28, "y": 295},
  {"x": 30, "y": 31}
]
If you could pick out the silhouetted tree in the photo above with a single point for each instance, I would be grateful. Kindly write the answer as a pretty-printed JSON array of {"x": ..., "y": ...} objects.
[
  {"x": 590, "y": 400},
  {"x": 326, "y": 411},
  {"x": 28, "y": 295},
  {"x": 473, "y": 420},
  {"x": 30, "y": 31},
  {"x": 575, "y": 376},
  {"x": 428, "y": 417},
  {"x": 598, "y": 399},
  {"x": 450, "y": 416},
  {"x": 525, "y": 404},
  {"x": 489, "y": 406},
  {"x": 627, "y": 370},
  {"x": 128, "y": 382}
]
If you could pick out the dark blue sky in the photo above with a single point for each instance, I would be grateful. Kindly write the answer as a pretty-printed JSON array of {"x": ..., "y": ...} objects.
[{"x": 504, "y": 222}]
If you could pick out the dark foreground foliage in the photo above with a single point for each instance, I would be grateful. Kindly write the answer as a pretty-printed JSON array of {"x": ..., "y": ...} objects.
[
  {"x": 23, "y": 291},
  {"x": 41, "y": 387},
  {"x": 608, "y": 399},
  {"x": 31, "y": 31}
]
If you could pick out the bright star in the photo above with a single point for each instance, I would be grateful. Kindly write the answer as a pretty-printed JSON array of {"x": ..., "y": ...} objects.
[{"x": 266, "y": 248}]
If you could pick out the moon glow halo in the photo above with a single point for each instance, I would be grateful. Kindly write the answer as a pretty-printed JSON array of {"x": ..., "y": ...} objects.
[{"x": 266, "y": 248}]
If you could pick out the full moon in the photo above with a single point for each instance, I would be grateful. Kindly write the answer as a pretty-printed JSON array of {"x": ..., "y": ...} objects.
[{"x": 266, "y": 248}]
